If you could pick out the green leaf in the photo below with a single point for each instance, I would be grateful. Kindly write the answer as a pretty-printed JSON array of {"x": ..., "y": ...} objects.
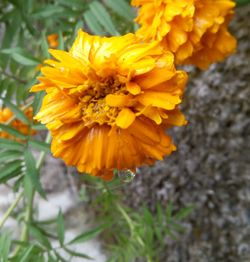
[
  {"x": 79, "y": 4},
  {"x": 42, "y": 146},
  {"x": 169, "y": 211},
  {"x": 39, "y": 127},
  {"x": 60, "y": 40},
  {"x": 122, "y": 8},
  {"x": 11, "y": 144},
  {"x": 77, "y": 254},
  {"x": 10, "y": 170},
  {"x": 183, "y": 213},
  {"x": 12, "y": 131},
  {"x": 88, "y": 235},
  {"x": 44, "y": 45},
  {"x": 60, "y": 228},
  {"x": 8, "y": 155},
  {"x": 242, "y": 2},
  {"x": 38, "y": 234},
  {"x": 48, "y": 11},
  {"x": 25, "y": 256},
  {"x": 21, "y": 56},
  {"x": 33, "y": 173},
  {"x": 101, "y": 14},
  {"x": 24, "y": 59},
  {"x": 17, "y": 111},
  {"x": 38, "y": 101},
  {"x": 5, "y": 243},
  {"x": 92, "y": 23},
  {"x": 28, "y": 187}
]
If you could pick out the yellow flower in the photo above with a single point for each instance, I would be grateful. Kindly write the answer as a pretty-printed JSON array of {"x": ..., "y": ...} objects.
[
  {"x": 53, "y": 40},
  {"x": 194, "y": 30},
  {"x": 6, "y": 114},
  {"x": 108, "y": 102}
]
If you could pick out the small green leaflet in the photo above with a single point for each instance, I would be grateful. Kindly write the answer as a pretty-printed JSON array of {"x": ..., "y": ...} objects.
[
  {"x": 103, "y": 17},
  {"x": 33, "y": 173}
]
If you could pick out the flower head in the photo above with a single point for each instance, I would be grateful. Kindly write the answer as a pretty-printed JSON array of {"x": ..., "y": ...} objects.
[
  {"x": 53, "y": 40},
  {"x": 6, "y": 115},
  {"x": 194, "y": 30},
  {"x": 108, "y": 102}
]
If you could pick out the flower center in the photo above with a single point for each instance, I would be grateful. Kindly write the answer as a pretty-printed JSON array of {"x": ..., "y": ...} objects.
[{"x": 93, "y": 103}]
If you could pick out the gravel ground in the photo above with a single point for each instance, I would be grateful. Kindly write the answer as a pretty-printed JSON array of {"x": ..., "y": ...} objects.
[{"x": 211, "y": 166}]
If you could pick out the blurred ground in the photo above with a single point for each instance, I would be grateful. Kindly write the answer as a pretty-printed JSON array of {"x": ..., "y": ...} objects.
[{"x": 211, "y": 166}]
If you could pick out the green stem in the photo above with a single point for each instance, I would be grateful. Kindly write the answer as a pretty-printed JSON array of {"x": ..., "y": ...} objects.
[
  {"x": 130, "y": 223},
  {"x": 10, "y": 209}
]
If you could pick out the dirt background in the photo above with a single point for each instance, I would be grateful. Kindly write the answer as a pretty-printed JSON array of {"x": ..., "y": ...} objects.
[{"x": 211, "y": 166}]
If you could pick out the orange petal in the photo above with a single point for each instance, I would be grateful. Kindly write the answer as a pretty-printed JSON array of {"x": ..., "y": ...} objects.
[{"x": 125, "y": 118}]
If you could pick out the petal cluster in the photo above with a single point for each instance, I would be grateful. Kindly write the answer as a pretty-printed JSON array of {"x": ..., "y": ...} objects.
[
  {"x": 6, "y": 114},
  {"x": 196, "y": 31},
  {"x": 109, "y": 101}
]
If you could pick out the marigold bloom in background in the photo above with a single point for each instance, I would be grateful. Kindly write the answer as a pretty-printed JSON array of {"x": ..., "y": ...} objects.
[
  {"x": 194, "y": 30},
  {"x": 108, "y": 102},
  {"x": 6, "y": 114},
  {"x": 53, "y": 40}
]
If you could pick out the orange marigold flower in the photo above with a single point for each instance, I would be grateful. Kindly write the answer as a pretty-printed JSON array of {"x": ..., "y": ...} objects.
[
  {"x": 5, "y": 116},
  {"x": 53, "y": 40},
  {"x": 194, "y": 30},
  {"x": 108, "y": 102}
]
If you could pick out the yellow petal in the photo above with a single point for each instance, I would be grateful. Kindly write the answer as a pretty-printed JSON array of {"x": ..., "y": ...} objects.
[
  {"x": 117, "y": 100},
  {"x": 159, "y": 99},
  {"x": 155, "y": 77},
  {"x": 133, "y": 88},
  {"x": 125, "y": 118}
]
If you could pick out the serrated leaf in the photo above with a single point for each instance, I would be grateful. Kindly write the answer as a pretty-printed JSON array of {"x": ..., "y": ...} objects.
[
  {"x": 60, "y": 228},
  {"x": 87, "y": 235},
  {"x": 42, "y": 146},
  {"x": 101, "y": 14},
  {"x": 16, "y": 110},
  {"x": 33, "y": 173},
  {"x": 12, "y": 131},
  {"x": 11, "y": 144},
  {"x": 122, "y": 8}
]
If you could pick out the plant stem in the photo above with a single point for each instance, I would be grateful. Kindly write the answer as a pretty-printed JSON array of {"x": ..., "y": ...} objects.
[{"x": 11, "y": 208}]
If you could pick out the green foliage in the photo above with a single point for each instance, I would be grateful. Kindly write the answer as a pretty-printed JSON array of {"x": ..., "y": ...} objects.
[
  {"x": 242, "y": 2},
  {"x": 133, "y": 234}
]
